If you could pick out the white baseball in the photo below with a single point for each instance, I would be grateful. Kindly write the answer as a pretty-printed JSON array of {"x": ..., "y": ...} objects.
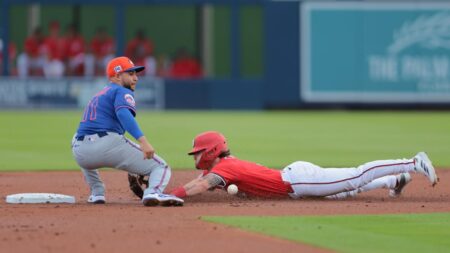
[{"x": 232, "y": 189}]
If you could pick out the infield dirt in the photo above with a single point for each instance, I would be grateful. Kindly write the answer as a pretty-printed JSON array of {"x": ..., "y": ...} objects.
[{"x": 125, "y": 225}]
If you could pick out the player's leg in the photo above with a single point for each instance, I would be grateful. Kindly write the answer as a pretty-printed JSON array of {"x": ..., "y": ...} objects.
[
  {"x": 116, "y": 151},
  {"x": 310, "y": 180},
  {"x": 127, "y": 155},
  {"x": 132, "y": 161},
  {"x": 96, "y": 186},
  {"x": 82, "y": 152},
  {"x": 386, "y": 182},
  {"x": 159, "y": 176}
]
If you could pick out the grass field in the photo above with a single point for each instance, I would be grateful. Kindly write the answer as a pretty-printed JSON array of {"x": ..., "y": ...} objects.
[
  {"x": 406, "y": 233},
  {"x": 40, "y": 140}
]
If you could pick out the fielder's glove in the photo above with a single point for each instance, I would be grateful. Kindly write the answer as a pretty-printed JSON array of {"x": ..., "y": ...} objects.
[{"x": 138, "y": 184}]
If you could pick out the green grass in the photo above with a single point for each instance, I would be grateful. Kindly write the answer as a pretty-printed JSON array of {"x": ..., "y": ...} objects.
[
  {"x": 40, "y": 140},
  {"x": 406, "y": 233}
]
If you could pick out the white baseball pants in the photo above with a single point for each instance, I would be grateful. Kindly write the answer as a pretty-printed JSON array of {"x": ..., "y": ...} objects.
[{"x": 307, "y": 179}]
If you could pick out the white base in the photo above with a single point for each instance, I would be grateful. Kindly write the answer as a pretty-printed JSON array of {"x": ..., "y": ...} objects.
[{"x": 33, "y": 198}]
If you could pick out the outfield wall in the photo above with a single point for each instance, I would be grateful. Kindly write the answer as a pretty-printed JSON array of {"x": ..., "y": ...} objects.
[
  {"x": 375, "y": 52},
  {"x": 353, "y": 53},
  {"x": 151, "y": 93},
  {"x": 323, "y": 54},
  {"x": 69, "y": 93}
]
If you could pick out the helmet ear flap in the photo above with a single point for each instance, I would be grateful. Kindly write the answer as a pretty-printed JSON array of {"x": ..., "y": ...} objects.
[{"x": 210, "y": 153}]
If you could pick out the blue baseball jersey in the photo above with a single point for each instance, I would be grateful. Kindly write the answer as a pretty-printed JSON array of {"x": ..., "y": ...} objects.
[{"x": 100, "y": 114}]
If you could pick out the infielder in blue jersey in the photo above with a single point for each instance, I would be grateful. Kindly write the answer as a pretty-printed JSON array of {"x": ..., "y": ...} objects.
[{"x": 100, "y": 141}]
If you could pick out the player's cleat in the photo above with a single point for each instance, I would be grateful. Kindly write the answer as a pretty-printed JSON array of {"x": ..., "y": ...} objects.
[
  {"x": 150, "y": 199},
  {"x": 96, "y": 199},
  {"x": 402, "y": 180},
  {"x": 154, "y": 199},
  {"x": 423, "y": 166}
]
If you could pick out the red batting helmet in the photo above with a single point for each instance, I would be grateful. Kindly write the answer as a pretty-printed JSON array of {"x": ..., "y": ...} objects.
[{"x": 211, "y": 144}]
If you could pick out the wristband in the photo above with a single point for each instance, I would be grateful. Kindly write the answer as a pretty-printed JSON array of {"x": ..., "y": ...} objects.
[{"x": 179, "y": 192}]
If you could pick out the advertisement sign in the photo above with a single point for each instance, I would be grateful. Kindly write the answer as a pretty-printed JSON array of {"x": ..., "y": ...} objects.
[
  {"x": 71, "y": 92},
  {"x": 375, "y": 52}
]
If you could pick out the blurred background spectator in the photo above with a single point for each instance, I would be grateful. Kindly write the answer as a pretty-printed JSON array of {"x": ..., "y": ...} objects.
[
  {"x": 31, "y": 60},
  {"x": 140, "y": 50},
  {"x": 73, "y": 51},
  {"x": 53, "y": 45},
  {"x": 103, "y": 50},
  {"x": 162, "y": 65},
  {"x": 185, "y": 66}
]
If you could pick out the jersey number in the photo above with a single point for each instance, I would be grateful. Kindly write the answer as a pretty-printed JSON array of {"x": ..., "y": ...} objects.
[{"x": 91, "y": 108}]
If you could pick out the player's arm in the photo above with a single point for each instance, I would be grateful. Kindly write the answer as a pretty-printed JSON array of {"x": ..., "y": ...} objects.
[
  {"x": 198, "y": 185},
  {"x": 130, "y": 125},
  {"x": 146, "y": 147}
]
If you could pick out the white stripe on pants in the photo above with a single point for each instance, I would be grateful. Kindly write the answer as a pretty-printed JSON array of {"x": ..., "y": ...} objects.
[
  {"x": 308, "y": 179},
  {"x": 386, "y": 182}
]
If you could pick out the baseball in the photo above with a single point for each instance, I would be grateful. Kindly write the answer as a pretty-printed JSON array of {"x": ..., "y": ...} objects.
[{"x": 232, "y": 189}]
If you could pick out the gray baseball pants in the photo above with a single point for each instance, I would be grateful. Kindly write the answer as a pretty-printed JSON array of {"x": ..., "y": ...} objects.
[{"x": 116, "y": 151}]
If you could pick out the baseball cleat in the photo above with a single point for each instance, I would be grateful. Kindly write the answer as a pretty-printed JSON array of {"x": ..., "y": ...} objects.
[
  {"x": 402, "y": 180},
  {"x": 96, "y": 199},
  {"x": 154, "y": 199},
  {"x": 423, "y": 166}
]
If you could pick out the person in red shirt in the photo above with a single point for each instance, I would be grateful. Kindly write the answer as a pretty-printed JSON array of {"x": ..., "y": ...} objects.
[
  {"x": 297, "y": 180},
  {"x": 54, "y": 42},
  {"x": 73, "y": 51},
  {"x": 54, "y": 66},
  {"x": 140, "y": 48},
  {"x": 185, "y": 66},
  {"x": 102, "y": 48},
  {"x": 32, "y": 60}
]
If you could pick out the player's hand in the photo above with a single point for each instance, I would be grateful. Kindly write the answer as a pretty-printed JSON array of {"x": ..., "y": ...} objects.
[
  {"x": 147, "y": 148},
  {"x": 148, "y": 151}
]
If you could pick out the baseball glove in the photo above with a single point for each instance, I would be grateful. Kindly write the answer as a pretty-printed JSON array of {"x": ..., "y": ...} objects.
[{"x": 138, "y": 184}]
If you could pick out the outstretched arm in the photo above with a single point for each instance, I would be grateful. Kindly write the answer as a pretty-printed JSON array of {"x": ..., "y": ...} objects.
[
  {"x": 198, "y": 185},
  {"x": 129, "y": 123}
]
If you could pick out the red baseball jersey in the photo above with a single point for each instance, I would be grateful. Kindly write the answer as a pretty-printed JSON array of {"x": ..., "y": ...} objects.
[
  {"x": 102, "y": 48},
  {"x": 73, "y": 46},
  {"x": 251, "y": 178}
]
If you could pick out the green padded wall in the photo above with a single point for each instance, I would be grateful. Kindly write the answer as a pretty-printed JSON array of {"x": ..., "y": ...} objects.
[
  {"x": 169, "y": 27},
  {"x": 252, "y": 41},
  {"x": 60, "y": 13},
  {"x": 222, "y": 47},
  {"x": 18, "y": 25},
  {"x": 95, "y": 16}
]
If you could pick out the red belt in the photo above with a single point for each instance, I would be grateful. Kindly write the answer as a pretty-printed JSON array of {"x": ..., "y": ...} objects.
[{"x": 288, "y": 187}]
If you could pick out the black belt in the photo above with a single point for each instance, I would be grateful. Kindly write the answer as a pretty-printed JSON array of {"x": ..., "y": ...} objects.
[{"x": 100, "y": 135}]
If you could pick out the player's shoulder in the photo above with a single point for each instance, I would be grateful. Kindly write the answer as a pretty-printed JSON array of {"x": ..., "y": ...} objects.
[
  {"x": 243, "y": 164},
  {"x": 228, "y": 159},
  {"x": 227, "y": 162},
  {"x": 123, "y": 93},
  {"x": 121, "y": 90}
]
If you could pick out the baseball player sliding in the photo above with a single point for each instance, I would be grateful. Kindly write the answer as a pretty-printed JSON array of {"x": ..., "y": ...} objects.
[
  {"x": 299, "y": 179},
  {"x": 99, "y": 140}
]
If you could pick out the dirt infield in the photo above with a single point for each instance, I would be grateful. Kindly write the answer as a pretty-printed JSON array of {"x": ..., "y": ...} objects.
[{"x": 125, "y": 225}]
